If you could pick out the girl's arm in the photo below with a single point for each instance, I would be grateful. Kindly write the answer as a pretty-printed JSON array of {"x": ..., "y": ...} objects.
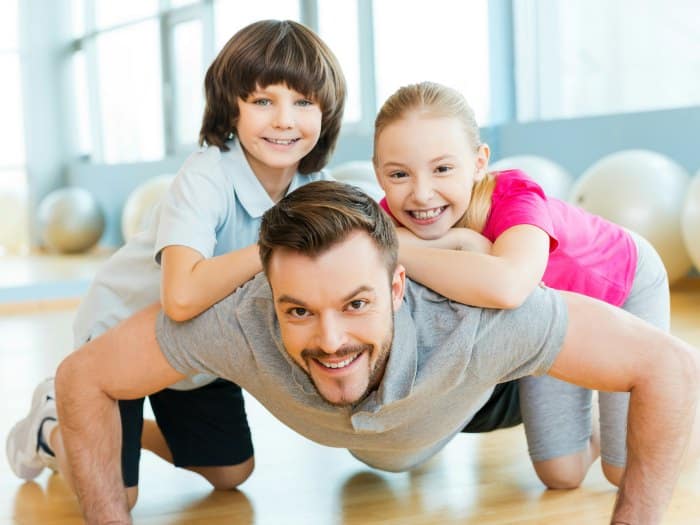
[
  {"x": 502, "y": 278},
  {"x": 191, "y": 283}
]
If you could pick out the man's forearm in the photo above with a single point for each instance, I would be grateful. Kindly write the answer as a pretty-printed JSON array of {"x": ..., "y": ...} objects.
[
  {"x": 91, "y": 430},
  {"x": 661, "y": 415}
]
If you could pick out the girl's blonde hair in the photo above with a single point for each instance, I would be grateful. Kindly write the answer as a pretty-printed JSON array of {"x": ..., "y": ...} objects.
[{"x": 441, "y": 101}]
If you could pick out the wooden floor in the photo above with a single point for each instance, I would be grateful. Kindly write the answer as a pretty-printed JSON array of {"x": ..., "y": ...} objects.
[{"x": 485, "y": 479}]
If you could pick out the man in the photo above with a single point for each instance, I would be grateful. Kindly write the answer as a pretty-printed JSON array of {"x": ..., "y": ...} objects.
[{"x": 344, "y": 350}]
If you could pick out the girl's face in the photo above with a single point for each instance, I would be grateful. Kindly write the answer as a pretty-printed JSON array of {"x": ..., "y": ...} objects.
[
  {"x": 427, "y": 168},
  {"x": 277, "y": 127}
]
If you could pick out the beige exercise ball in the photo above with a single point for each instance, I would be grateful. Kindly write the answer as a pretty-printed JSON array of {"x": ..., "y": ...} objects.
[
  {"x": 643, "y": 191},
  {"x": 359, "y": 173},
  {"x": 690, "y": 221},
  {"x": 554, "y": 179},
  {"x": 14, "y": 229},
  {"x": 141, "y": 203},
  {"x": 70, "y": 220}
]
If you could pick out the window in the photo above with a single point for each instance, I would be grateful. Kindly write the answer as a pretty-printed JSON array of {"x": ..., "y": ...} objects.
[
  {"x": 587, "y": 58},
  {"x": 446, "y": 43},
  {"x": 230, "y": 16}
]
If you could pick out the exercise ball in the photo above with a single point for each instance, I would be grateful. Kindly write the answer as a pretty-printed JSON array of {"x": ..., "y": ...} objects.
[
  {"x": 359, "y": 173},
  {"x": 70, "y": 220},
  {"x": 554, "y": 180},
  {"x": 14, "y": 231},
  {"x": 141, "y": 204},
  {"x": 643, "y": 191},
  {"x": 690, "y": 220}
]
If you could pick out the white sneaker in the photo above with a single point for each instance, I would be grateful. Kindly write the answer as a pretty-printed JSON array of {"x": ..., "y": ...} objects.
[{"x": 24, "y": 446}]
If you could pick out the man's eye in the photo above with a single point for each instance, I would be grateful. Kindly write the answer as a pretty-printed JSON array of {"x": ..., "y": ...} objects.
[
  {"x": 298, "y": 312},
  {"x": 357, "y": 304}
]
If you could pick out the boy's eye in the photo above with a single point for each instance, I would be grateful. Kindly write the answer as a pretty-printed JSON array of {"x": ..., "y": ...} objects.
[
  {"x": 305, "y": 102},
  {"x": 262, "y": 101}
]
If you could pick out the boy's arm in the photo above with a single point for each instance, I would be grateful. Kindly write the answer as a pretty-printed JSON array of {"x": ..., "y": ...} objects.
[
  {"x": 191, "y": 283},
  {"x": 609, "y": 349},
  {"x": 124, "y": 363}
]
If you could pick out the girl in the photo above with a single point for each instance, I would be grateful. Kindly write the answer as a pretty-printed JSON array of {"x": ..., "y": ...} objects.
[
  {"x": 487, "y": 239},
  {"x": 274, "y": 103}
]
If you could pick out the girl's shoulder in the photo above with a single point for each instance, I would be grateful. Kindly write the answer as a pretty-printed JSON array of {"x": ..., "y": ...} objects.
[{"x": 515, "y": 180}]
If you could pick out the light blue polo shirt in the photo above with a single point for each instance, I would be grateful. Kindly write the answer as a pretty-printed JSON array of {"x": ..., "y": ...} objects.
[{"x": 214, "y": 205}]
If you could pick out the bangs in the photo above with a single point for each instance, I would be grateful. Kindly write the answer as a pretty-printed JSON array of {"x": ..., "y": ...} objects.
[{"x": 288, "y": 61}]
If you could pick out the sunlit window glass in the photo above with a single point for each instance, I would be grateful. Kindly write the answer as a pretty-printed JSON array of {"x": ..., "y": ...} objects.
[
  {"x": 442, "y": 41},
  {"x": 581, "y": 63},
  {"x": 338, "y": 28},
  {"x": 110, "y": 13},
  {"x": 189, "y": 80},
  {"x": 181, "y": 3},
  {"x": 81, "y": 104},
  {"x": 130, "y": 100},
  {"x": 8, "y": 24},
  {"x": 11, "y": 123},
  {"x": 230, "y": 15},
  {"x": 77, "y": 18}
]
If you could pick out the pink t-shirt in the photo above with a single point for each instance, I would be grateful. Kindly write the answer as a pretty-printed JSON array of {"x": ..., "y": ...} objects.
[{"x": 587, "y": 254}]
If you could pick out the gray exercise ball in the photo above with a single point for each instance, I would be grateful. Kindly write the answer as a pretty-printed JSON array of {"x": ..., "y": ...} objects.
[
  {"x": 70, "y": 220},
  {"x": 690, "y": 220},
  {"x": 644, "y": 191}
]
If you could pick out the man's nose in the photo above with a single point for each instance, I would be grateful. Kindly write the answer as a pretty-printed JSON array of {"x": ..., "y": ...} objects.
[{"x": 331, "y": 333}]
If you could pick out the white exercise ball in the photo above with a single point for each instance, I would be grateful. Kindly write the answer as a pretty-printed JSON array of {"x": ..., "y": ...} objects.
[
  {"x": 359, "y": 173},
  {"x": 690, "y": 220},
  {"x": 141, "y": 203},
  {"x": 70, "y": 220},
  {"x": 14, "y": 230},
  {"x": 643, "y": 191},
  {"x": 554, "y": 179}
]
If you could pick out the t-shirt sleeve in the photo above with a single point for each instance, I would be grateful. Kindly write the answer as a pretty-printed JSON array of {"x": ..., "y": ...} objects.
[
  {"x": 519, "y": 200},
  {"x": 510, "y": 344},
  {"x": 209, "y": 343},
  {"x": 192, "y": 212}
]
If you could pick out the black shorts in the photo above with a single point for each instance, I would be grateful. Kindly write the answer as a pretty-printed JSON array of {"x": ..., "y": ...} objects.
[
  {"x": 502, "y": 410},
  {"x": 203, "y": 428}
]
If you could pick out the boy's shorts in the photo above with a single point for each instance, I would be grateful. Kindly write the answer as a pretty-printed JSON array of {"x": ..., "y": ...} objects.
[{"x": 204, "y": 427}]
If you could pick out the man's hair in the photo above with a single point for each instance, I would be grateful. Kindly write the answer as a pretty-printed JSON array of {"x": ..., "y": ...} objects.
[
  {"x": 317, "y": 216},
  {"x": 274, "y": 52}
]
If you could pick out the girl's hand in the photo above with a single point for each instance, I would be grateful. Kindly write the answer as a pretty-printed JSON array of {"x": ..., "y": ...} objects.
[{"x": 462, "y": 239}]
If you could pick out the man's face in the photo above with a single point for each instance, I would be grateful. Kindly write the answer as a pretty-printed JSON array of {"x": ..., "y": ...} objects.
[{"x": 336, "y": 315}]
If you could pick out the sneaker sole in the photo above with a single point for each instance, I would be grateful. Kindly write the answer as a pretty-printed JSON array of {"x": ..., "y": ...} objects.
[{"x": 25, "y": 462}]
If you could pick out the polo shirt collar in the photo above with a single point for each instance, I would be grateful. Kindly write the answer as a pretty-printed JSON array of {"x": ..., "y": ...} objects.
[{"x": 250, "y": 193}]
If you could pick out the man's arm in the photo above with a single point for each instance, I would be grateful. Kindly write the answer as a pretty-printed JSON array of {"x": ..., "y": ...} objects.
[
  {"x": 124, "y": 363},
  {"x": 609, "y": 349}
]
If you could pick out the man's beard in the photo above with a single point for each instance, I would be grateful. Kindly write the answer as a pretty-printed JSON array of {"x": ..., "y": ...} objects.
[{"x": 375, "y": 374}]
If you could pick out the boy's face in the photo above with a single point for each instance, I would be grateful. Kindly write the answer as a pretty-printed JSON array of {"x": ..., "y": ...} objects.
[
  {"x": 336, "y": 315},
  {"x": 277, "y": 127},
  {"x": 427, "y": 169}
]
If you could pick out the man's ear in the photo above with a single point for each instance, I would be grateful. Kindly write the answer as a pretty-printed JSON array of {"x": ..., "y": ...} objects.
[{"x": 398, "y": 285}]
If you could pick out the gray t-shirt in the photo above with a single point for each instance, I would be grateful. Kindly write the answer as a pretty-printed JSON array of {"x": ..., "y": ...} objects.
[{"x": 445, "y": 360}]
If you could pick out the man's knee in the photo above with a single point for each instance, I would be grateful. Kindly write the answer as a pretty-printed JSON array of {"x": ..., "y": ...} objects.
[{"x": 228, "y": 477}]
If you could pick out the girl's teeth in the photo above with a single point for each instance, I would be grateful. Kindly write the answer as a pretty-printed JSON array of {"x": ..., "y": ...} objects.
[{"x": 427, "y": 214}]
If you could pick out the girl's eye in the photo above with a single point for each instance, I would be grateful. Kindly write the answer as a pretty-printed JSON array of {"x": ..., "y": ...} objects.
[
  {"x": 398, "y": 175},
  {"x": 357, "y": 304},
  {"x": 443, "y": 169}
]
